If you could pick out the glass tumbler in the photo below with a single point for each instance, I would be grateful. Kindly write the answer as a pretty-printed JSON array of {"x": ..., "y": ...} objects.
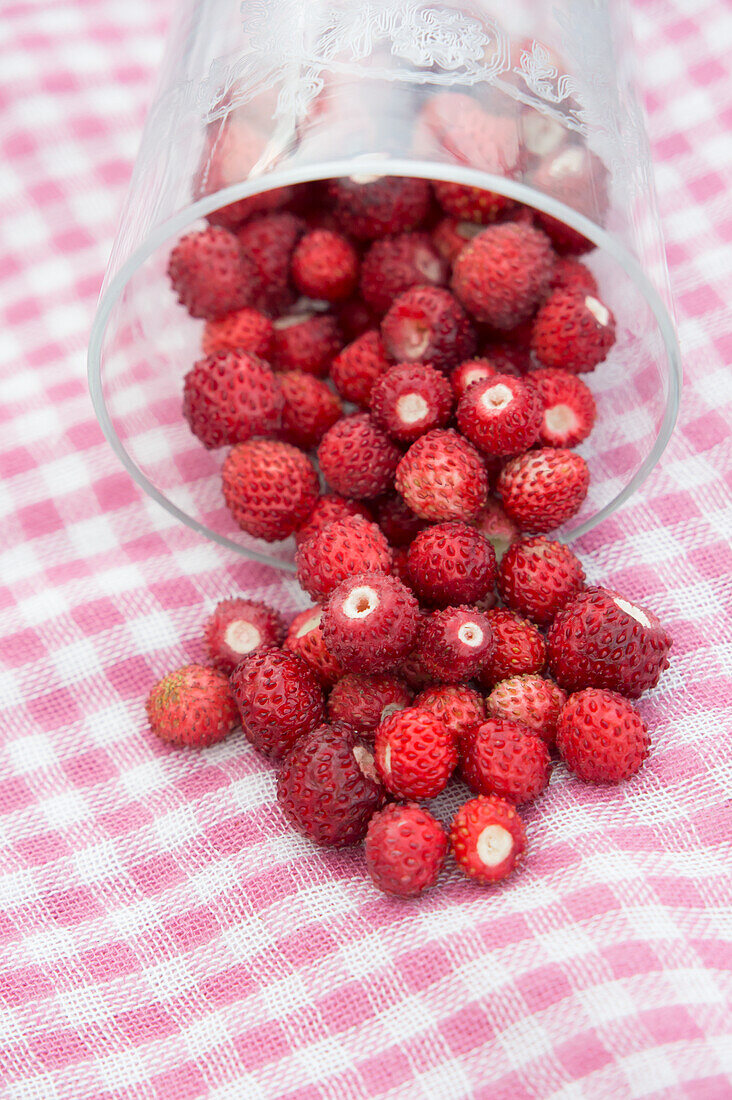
[{"x": 259, "y": 96}]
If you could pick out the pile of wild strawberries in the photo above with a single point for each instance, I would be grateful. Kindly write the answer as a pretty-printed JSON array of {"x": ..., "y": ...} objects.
[{"x": 458, "y": 322}]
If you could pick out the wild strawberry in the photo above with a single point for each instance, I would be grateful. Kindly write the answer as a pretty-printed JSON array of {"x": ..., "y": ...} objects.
[
  {"x": 327, "y": 787},
  {"x": 442, "y": 477},
  {"x": 505, "y": 758},
  {"x": 363, "y": 701},
  {"x": 357, "y": 459},
  {"x": 460, "y": 707},
  {"x": 488, "y": 839},
  {"x": 496, "y": 527},
  {"x": 192, "y": 707},
  {"x": 269, "y": 488},
  {"x": 569, "y": 408},
  {"x": 565, "y": 240},
  {"x": 456, "y": 124},
  {"x": 531, "y": 700},
  {"x": 570, "y": 274},
  {"x": 518, "y": 648},
  {"x": 380, "y": 207},
  {"x": 236, "y": 628},
  {"x": 231, "y": 149},
  {"x": 455, "y": 643},
  {"x": 411, "y": 399},
  {"x": 405, "y": 849},
  {"x": 472, "y": 370},
  {"x": 343, "y": 547},
  {"x": 500, "y": 415},
  {"x": 537, "y": 577},
  {"x": 502, "y": 275},
  {"x": 415, "y": 753},
  {"x": 310, "y": 408},
  {"x": 395, "y": 264},
  {"x": 268, "y": 242},
  {"x": 246, "y": 330},
  {"x": 510, "y": 358},
  {"x": 471, "y": 204},
  {"x": 229, "y": 397},
  {"x": 602, "y": 640},
  {"x": 328, "y": 508},
  {"x": 573, "y": 331},
  {"x": 542, "y": 489},
  {"x": 357, "y": 369},
  {"x": 279, "y": 699},
  {"x": 451, "y": 235},
  {"x": 601, "y": 737},
  {"x": 210, "y": 274},
  {"x": 577, "y": 177},
  {"x": 370, "y": 622},
  {"x": 305, "y": 638},
  {"x": 427, "y": 325},
  {"x": 397, "y": 520},
  {"x": 354, "y": 318},
  {"x": 451, "y": 564},
  {"x": 305, "y": 341},
  {"x": 325, "y": 266}
]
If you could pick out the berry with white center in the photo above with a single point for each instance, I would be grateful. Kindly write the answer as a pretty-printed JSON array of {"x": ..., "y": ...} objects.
[
  {"x": 379, "y": 207},
  {"x": 471, "y": 204},
  {"x": 229, "y": 397},
  {"x": 325, "y": 266},
  {"x": 572, "y": 331},
  {"x": 537, "y": 577},
  {"x": 345, "y": 546},
  {"x": 405, "y": 849},
  {"x": 327, "y": 509},
  {"x": 488, "y": 839},
  {"x": 236, "y": 628},
  {"x": 503, "y": 274},
  {"x": 310, "y": 409},
  {"x": 210, "y": 274},
  {"x": 451, "y": 235},
  {"x": 500, "y": 415},
  {"x": 357, "y": 459},
  {"x": 358, "y": 367},
  {"x": 370, "y": 622},
  {"x": 451, "y": 564},
  {"x": 428, "y": 325},
  {"x": 328, "y": 788},
  {"x": 395, "y": 264},
  {"x": 455, "y": 643},
  {"x": 569, "y": 408},
  {"x": 542, "y": 489},
  {"x": 571, "y": 274},
  {"x": 411, "y": 399},
  {"x": 599, "y": 639},
  {"x": 460, "y": 707},
  {"x": 601, "y": 737},
  {"x": 305, "y": 638},
  {"x": 192, "y": 707},
  {"x": 442, "y": 477},
  {"x": 415, "y": 753},
  {"x": 397, "y": 520},
  {"x": 279, "y": 699},
  {"x": 518, "y": 647},
  {"x": 505, "y": 758},
  {"x": 246, "y": 330},
  {"x": 305, "y": 341},
  {"x": 363, "y": 701},
  {"x": 472, "y": 370},
  {"x": 268, "y": 242},
  {"x": 531, "y": 700},
  {"x": 269, "y": 488},
  {"x": 496, "y": 527}
]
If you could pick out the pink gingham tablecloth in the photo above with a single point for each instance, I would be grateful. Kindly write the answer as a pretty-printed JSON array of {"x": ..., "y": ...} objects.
[{"x": 162, "y": 932}]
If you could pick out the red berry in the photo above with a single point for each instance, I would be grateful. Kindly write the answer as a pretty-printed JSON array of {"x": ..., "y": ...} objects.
[
  {"x": 503, "y": 274},
  {"x": 471, "y": 204},
  {"x": 305, "y": 341},
  {"x": 229, "y": 397},
  {"x": 405, "y": 849},
  {"x": 399, "y": 566},
  {"x": 537, "y": 577},
  {"x": 415, "y": 753},
  {"x": 455, "y": 643},
  {"x": 442, "y": 477},
  {"x": 395, "y": 264},
  {"x": 569, "y": 408},
  {"x": 565, "y": 240},
  {"x": 279, "y": 699},
  {"x": 310, "y": 408},
  {"x": 370, "y": 622},
  {"x": 450, "y": 237},
  {"x": 601, "y": 737},
  {"x": 495, "y": 526},
  {"x": 599, "y": 639},
  {"x": 325, "y": 266},
  {"x": 505, "y": 758},
  {"x": 379, "y": 207},
  {"x": 542, "y": 489},
  {"x": 210, "y": 274},
  {"x": 231, "y": 149},
  {"x": 573, "y": 331},
  {"x": 455, "y": 124},
  {"x": 269, "y": 488},
  {"x": 327, "y": 509},
  {"x": 531, "y": 700},
  {"x": 327, "y": 787},
  {"x": 488, "y": 839},
  {"x": 460, "y": 707},
  {"x": 357, "y": 459},
  {"x": 268, "y": 242},
  {"x": 412, "y": 671},
  {"x": 451, "y": 564},
  {"x": 500, "y": 415},
  {"x": 427, "y": 325},
  {"x": 363, "y": 701},
  {"x": 305, "y": 638},
  {"x": 192, "y": 707},
  {"x": 411, "y": 399},
  {"x": 246, "y": 330},
  {"x": 472, "y": 370},
  {"x": 578, "y": 178},
  {"x": 343, "y": 547},
  {"x": 570, "y": 274},
  {"x": 518, "y": 647},
  {"x": 397, "y": 520},
  {"x": 510, "y": 358},
  {"x": 236, "y": 628},
  {"x": 357, "y": 369}
]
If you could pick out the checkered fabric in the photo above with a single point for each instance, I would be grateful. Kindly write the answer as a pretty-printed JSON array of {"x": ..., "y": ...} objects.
[{"x": 162, "y": 932}]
